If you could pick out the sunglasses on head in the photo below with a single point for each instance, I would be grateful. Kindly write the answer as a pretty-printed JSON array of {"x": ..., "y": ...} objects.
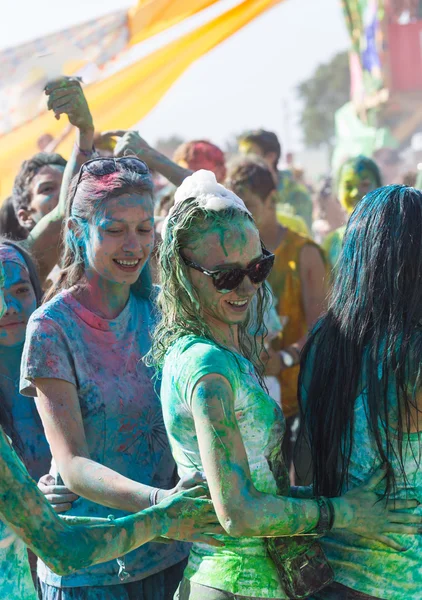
[
  {"x": 227, "y": 280},
  {"x": 101, "y": 166}
]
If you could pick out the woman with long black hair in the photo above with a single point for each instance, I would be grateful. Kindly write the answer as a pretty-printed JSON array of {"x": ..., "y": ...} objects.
[{"x": 360, "y": 388}]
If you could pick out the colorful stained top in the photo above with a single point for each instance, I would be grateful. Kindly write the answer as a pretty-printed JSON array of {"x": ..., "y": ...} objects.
[
  {"x": 26, "y": 420},
  {"x": 287, "y": 289},
  {"x": 242, "y": 566},
  {"x": 121, "y": 411},
  {"x": 366, "y": 565},
  {"x": 333, "y": 244},
  {"x": 15, "y": 574}
]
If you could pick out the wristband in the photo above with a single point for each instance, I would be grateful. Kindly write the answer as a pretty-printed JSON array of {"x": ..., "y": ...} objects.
[
  {"x": 326, "y": 515},
  {"x": 153, "y": 496},
  {"x": 87, "y": 153}
]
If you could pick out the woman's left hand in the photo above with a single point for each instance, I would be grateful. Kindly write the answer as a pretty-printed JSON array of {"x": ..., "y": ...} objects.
[{"x": 59, "y": 496}]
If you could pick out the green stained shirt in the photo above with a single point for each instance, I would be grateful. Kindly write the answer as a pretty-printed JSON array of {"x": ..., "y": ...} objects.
[
  {"x": 295, "y": 195},
  {"x": 15, "y": 574},
  {"x": 333, "y": 244},
  {"x": 242, "y": 566}
]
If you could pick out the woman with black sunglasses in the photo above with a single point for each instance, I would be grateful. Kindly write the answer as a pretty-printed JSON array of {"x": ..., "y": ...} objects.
[
  {"x": 220, "y": 419},
  {"x": 97, "y": 400}
]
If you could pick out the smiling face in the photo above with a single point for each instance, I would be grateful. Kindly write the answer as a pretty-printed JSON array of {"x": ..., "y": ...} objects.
[
  {"x": 236, "y": 244},
  {"x": 45, "y": 192},
  {"x": 118, "y": 242},
  {"x": 355, "y": 183},
  {"x": 20, "y": 302}
]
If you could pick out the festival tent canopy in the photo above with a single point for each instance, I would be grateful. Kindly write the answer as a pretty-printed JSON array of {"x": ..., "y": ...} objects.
[{"x": 126, "y": 96}]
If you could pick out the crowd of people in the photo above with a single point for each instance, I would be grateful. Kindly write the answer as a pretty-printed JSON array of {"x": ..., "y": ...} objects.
[{"x": 209, "y": 378}]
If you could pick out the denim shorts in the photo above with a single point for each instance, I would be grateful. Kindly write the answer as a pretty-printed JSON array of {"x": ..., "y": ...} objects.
[
  {"x": 188, "y": 590},
  {"x": 160, "y": 586}
]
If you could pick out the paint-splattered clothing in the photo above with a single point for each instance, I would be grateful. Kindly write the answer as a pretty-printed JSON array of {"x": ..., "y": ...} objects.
[
  {"x": 366, "y": 565},
  {"x": 35, "y": 451},
  {"x": 287, "y": 288},
  {"x": 242, "y": 566},
  {"x": 121, "y": 411},
  {"x": 333, "y": 244},
  {"x": 296, "y": 196},
  {"x": 360, "y": 563},
  {"x": 15, "y": 574}
]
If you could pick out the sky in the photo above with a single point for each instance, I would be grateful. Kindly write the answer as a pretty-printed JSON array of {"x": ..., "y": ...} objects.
[{"x": 249, "y": 81}]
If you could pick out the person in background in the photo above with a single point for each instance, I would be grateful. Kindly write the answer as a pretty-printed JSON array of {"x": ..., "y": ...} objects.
[
  {"x": 298, "y": 282},
  {"x": 9, "y": 224},
  {"x": 328, "y": 214},
  {"x": 36, "y": 188},
  {"x": 361, "y": 387},
  {"x": 357, "y": 177},
  {"x": 295, "y": 195}
]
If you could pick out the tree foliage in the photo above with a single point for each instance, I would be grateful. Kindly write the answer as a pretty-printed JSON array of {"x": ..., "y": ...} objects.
[{"x": 322, "y": 94}]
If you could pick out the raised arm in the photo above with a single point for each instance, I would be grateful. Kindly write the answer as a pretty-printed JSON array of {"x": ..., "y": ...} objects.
[
  {"x": 65, "y": 96},
  {"x": 67, "y": 548},
  {"x": 244, "y": 511},
  {"x": 130, "y": 142}
]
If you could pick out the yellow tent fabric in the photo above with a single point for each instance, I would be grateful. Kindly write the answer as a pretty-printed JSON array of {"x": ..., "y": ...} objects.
[
  {"x": 150, "y": 17},
  {"x": 127, "y": 96}
]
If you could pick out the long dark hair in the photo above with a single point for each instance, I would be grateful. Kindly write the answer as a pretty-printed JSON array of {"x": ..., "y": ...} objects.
[
  {"x": 6, "y": 419},
  {"x": 370, "y": 338}
]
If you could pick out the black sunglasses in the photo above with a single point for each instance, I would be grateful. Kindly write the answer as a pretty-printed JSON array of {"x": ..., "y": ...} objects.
[
  {"x": 227, "y": 280},
  {"x": 101, "y": 166}
]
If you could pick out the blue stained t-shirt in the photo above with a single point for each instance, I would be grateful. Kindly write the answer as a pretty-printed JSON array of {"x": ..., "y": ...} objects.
[{"x": 120, "y": 408}]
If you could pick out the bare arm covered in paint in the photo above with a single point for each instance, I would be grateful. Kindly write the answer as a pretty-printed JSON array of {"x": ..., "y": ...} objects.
[
  {"x": 243, "y": 511},
  {"x": 58, "y": 406},
  {"x": 65, "y": 96},
  {"x": 130, "y": 142},
  {"x": 314, "y": 283},
  {"x": 67, "y": 548}
]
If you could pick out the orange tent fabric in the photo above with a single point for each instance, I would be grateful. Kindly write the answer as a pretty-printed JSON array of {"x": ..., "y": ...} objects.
[
  {"x": 127, "y": 96},
  {"x": 150, "y": 17}
]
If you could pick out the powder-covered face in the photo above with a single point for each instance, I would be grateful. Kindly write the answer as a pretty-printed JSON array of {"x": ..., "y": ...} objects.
[
  {"x": 236, "y": 244},
  {"x": 119, "y": 241},
  {"x": 354, "y": 184},
  {"x": 20, "y": 303},
  {"x": 45, "y": 191},
  {"x": 2, "y": 300}
]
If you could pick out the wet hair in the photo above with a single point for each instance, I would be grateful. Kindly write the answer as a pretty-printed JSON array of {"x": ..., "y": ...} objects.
[
  {"x": 253, "y": 174},
  {"x": 9, "y": 224},
  {"x": 29, "y": 168},
  {"x": 179, "y": 303},
  {"x": 266, "y": 140},
  {"x": 361, "y": 163},
  {"x": 6, "y": 418},
  {"x": 370, "y": 339},
  {"x": 87, "y": 196}
]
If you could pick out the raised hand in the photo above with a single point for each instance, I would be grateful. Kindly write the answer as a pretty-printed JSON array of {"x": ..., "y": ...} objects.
[
  {"x": 65, "y": 96},
  {"x": 129, "y": 142},
  {"x": 361, "y": 511}
]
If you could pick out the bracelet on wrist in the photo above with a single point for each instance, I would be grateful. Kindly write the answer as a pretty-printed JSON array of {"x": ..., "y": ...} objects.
[
  {"x": 326, "y": 515},
  {"x": 153, "y": 496},
  {"x": 87, "y": 153}
]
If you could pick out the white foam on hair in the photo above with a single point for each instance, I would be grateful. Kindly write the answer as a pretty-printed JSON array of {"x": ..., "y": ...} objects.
[{"x": 208, "y": 193}]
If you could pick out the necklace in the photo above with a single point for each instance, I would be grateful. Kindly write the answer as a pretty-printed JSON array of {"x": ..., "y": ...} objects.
[{"x": 14, "y": 381}]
